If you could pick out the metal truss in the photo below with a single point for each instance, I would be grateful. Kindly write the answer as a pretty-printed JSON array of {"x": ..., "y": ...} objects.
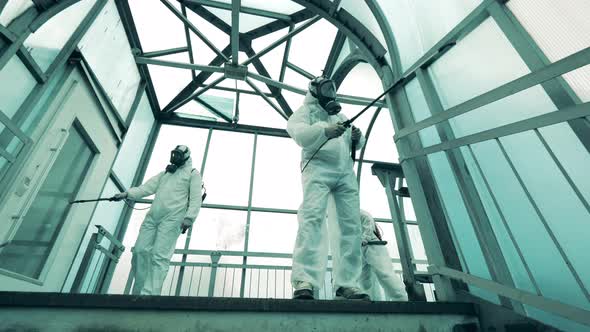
[{"x": 229, "y": 54}]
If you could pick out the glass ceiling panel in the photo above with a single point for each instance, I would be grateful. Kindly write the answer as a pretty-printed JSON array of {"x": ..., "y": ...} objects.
[
  {"x": 419, "y": 24},
  {"x": 247, "y": 21},
  {"x": 257, "y": 112},
  {"x": 273, "y": 59},
  {"x": 201, "y": 52},
  {"x": 311, "y": 47},
  {"x": 277, "y": 6},
  {"x": 169, "y": 81},
  {"x": 157, "y": 27},
  {"x": 361, "y": 11},
  {"x": 13, "y": 9}
]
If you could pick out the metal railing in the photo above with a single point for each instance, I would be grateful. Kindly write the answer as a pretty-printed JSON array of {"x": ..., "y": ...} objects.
[
  {"x": 214, "y": 279},
  {"x": 97, "y": 258}
]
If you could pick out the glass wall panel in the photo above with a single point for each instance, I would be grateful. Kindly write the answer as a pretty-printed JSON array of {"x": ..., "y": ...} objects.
[
  {"x": 16, "y": 82},
  {"x": 106, "y": 49},
  {"x": 473, "y": 66},
  {"x": 106, "y": 215},
  {"x": 570, "y": 152},
  {"x": 47, "y": 42},
  {"x": 227, "y": 173},
  {"x": 134, "y": 143},
  {"x": 43, "y": 221},
  {"x": 550, "y": 271},
  {"x": 167, "y": 33},
  {"x": 272, "y": 232},
  {"x": 372, "y": 194},
  {"x": 419, "y": 24},
  {"x": 363, "y": 13},
  {"x": 319, "y": 37},
  {"x": 560, "y": 28},
  {"x": 561, "y": 208},
  {"x": 217, "y": 229},
  {"x": 515, "y": 264},
  {"x": 13, "y": 9},
  {"x": 277, "y": 175}
]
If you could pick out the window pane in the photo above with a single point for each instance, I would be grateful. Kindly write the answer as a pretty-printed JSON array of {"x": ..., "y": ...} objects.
[
  {"x": 549, "y": 269},
  {"x": 116, "y": 68},
  {"x": 362, "y": 12},
  {"x": 560, "y": 28},
  {"x": 135, "y": 142},
  {"x": 272, "y": 232},
  {"x": 372, "y": 194},
  {"x": 16, "y": 82},
  {"x": 216, "y": 229},
  {"x": 47, "y": 42},
  {"x": 471, "y": 67},
  {"x": 227, "y": 172},
  {"x": 563, "y": 211},
  {"x": 44, "y": 219},
  {"x": 106, "y": 215},
  {"x": 419, "y": 24},
  {"x": 277, "y": 176},
  {"x": 13, "y": 9}
]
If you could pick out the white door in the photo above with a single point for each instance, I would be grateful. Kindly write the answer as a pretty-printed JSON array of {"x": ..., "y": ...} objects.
[{"x": 40, "y": 231}]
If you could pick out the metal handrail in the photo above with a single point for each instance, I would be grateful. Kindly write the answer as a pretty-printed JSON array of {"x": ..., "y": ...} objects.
[{"x": 552, "y": 306}]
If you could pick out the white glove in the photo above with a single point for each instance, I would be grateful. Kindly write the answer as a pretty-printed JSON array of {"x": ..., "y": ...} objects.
[{"x": 334, "y": 130}]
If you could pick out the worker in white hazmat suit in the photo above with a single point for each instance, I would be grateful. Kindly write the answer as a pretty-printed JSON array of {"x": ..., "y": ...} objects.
[
  {"x": 377, "y": 267},
  {"x": 175, "y": 206},
  {"x": 330, "y": 171}
]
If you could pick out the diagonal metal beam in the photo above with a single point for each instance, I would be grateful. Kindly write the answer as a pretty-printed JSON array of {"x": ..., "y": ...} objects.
[
  {"x": 181, "y": 65},
  {"x": 196, "y": 94},
  {"x": 261, "y": 94},
  {"x": 155, "y": 54},
  {"x": 277, "y": 25},
  {"x": 235, "y": 30},
  {"x": 282, "y": 40},
  {"x": 300, "y": 71},
  {"x": 224, "y": 88},
  {"x": 245, "y": 10},
  {"x": 189, "y": 44},
  {"x": 275, "y": 91},
  {"x": 192, "y": 27},
  {"x": 194, "y": 84},
  {"x": 207, "y": 15},
  {"x": 245, "y": 45},
  {"x": 334, "y": 53},
  {"x": 286, "y": 55}
]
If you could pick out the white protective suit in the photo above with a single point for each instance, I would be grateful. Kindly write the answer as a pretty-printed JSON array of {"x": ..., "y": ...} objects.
[
  {"x": 330, "y": 171},
  {"x": 178, "y": 196},
  {"x": 377, "y": 267}
]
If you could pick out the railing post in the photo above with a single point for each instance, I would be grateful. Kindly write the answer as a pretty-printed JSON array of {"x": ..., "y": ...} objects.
[
  {"x": 85, "y": 264},
  {"x": 215, "y": 257}
]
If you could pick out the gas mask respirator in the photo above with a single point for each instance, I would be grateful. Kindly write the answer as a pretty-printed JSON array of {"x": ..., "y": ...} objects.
[
  {"x": 178, "y": 157},
  {"x": 324, "y": 90}
]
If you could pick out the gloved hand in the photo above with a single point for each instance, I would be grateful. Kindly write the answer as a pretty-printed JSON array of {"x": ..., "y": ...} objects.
[
  {"x": 186, "y": 224},
  {"x": 334, "y": 130},
  {"x": 119, "y": 196},
  {"x": 356, "y": 134}
]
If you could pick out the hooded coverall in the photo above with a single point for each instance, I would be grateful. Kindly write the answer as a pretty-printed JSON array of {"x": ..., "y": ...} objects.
[
  {"x": 330, "y": 171},
  {"x": 177, "y": 196},
  {"x": 377, "y": 267}
]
